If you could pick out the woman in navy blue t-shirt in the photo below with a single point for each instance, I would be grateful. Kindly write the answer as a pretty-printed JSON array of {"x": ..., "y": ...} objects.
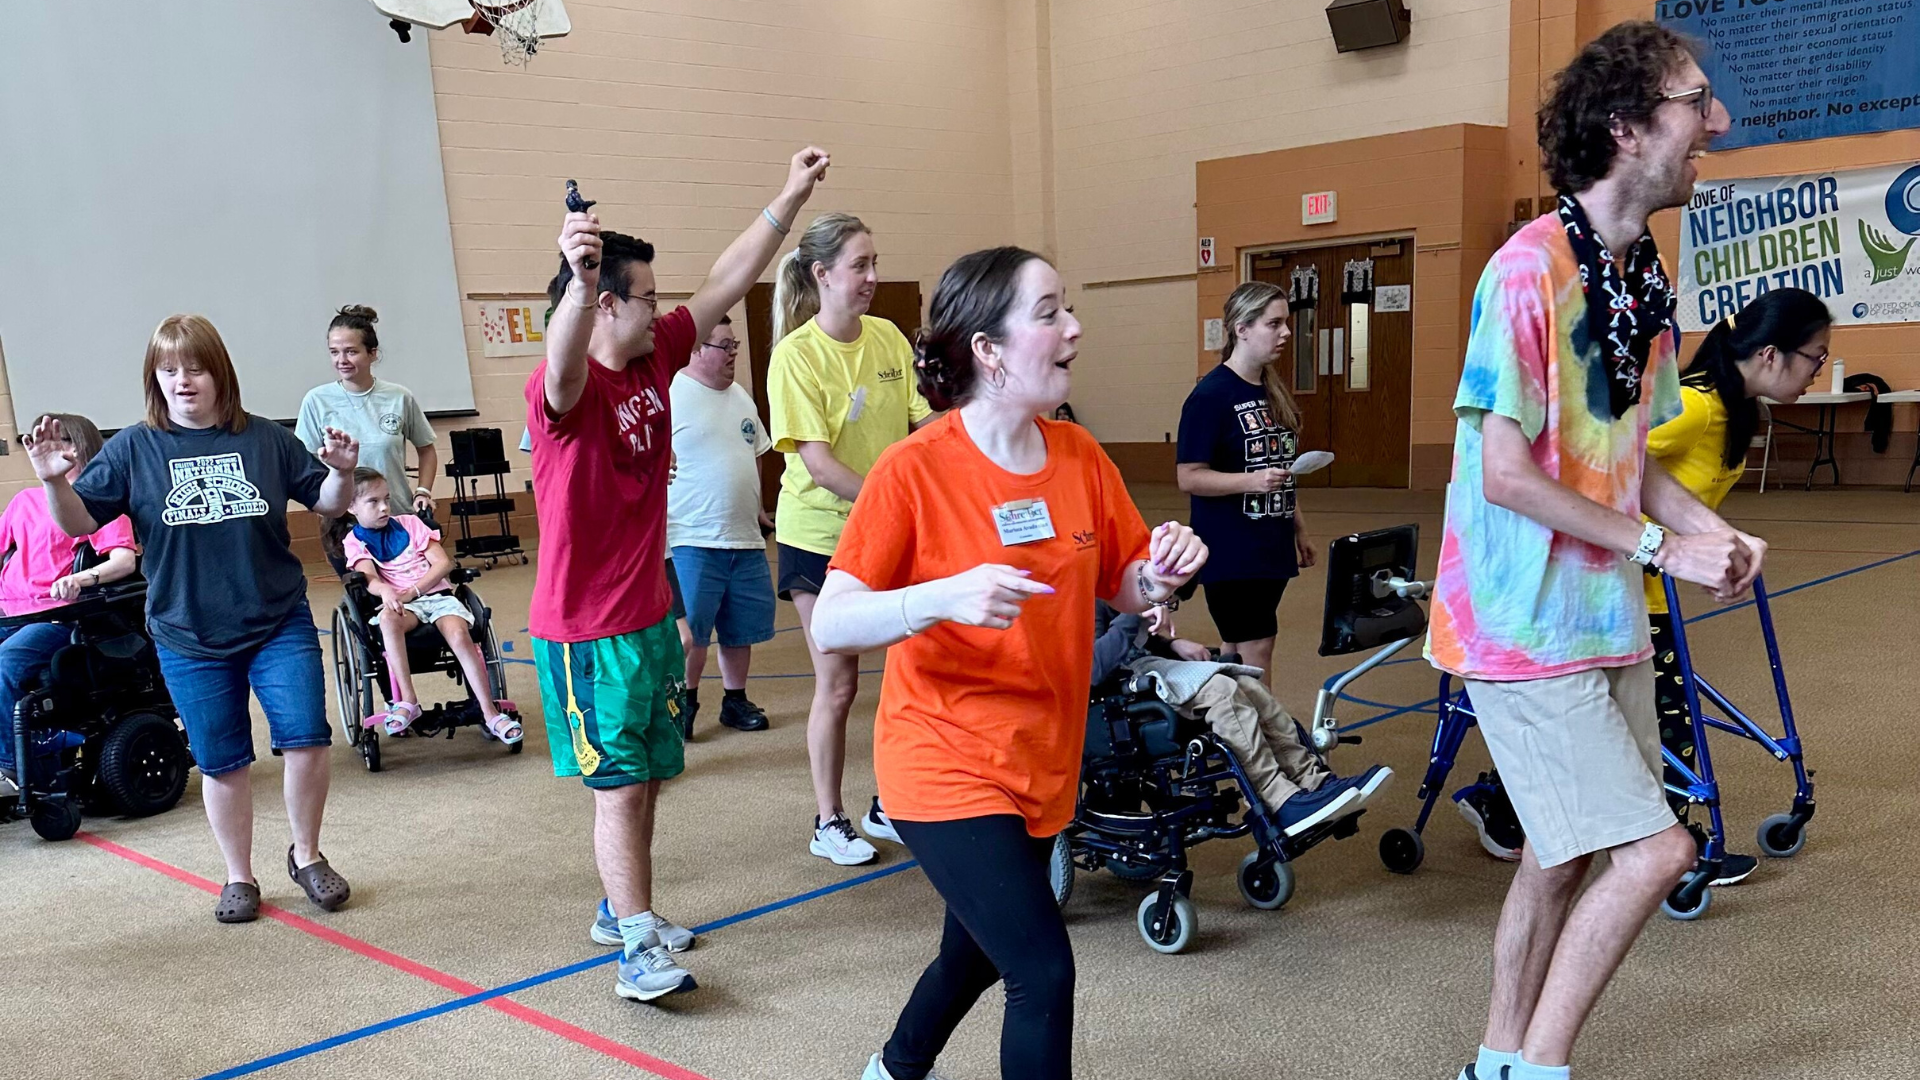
[{"x": 1239, "y": 434}]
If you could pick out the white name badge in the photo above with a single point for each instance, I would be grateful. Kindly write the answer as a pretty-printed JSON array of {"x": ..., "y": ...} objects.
[
  {"x": 858, "y": 405},
  {"x": 1023, "y": 522}
]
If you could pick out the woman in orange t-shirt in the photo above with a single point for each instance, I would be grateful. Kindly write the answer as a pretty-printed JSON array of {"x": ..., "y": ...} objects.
[{"x": 976, "y": 550}]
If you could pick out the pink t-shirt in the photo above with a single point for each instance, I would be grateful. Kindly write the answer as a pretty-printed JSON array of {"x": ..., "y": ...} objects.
[
  {"x": 411, "y": 566},
  {"x": 42, "y": 553},
  {"x": 600, "y": 493}
]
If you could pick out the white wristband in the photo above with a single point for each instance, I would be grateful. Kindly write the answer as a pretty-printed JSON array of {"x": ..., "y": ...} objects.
[
  {"x": 767, "y": 212},
  {"x": 1651, "y": 539}
]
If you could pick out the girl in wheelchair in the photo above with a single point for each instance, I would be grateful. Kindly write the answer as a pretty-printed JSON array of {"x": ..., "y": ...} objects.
[
  {"x": 407, "y": 571},
  {"x": 1292, "y": 780}
]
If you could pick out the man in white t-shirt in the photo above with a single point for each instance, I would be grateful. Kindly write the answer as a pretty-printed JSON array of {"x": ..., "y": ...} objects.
[{"x": 716, "y": 527}]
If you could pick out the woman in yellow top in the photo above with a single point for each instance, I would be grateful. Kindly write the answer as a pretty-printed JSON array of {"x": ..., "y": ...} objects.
[
  {"x": 840, "y": 389},
  {"x": 1772, "y": 348}
]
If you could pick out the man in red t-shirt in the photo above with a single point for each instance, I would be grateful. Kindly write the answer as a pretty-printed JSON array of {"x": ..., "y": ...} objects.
[{"x": 604, "y": 641}]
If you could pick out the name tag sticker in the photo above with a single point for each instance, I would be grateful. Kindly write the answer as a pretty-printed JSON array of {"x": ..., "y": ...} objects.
[
  {"x": 859, "y": 405},
  {"x": 1023, "y": 522}
]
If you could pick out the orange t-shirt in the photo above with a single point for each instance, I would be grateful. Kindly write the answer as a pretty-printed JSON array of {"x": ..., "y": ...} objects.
[{"x": 975, "y": 721}]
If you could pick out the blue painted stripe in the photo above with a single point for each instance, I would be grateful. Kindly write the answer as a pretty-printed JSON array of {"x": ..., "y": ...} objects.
[{"x": 531, "y": 981}]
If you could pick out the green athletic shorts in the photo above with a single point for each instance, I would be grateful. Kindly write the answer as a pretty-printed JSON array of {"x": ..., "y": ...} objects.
[{"x": 613, "y": 705}]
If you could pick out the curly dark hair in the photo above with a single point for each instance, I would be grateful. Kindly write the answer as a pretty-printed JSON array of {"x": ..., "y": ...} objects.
[{"x": 1616, "y": 77}]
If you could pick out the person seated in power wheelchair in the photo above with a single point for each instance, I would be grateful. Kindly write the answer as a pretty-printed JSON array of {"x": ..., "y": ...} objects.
[
  {"x": 1177, "y": 744},
  {"x": 402, "y": 581}
]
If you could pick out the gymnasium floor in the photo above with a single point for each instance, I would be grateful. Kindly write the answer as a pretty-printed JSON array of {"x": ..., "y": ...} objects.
[{"x": 464, "y": 952}]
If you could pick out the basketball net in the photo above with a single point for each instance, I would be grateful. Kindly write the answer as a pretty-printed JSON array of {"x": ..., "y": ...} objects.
[{"x": 518, "y": 22}]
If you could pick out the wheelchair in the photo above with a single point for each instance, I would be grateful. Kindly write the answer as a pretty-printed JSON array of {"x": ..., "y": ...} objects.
[
  {"x": 1154, "y": 783},
  {"x": 360, "y": 677},
  {"x": 99, "y": 733}
]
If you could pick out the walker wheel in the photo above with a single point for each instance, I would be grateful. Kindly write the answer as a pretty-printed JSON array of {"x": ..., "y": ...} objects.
[
  {"x": 1171, "y": 934},
  {"x": 1782, "y": 836},
  {"x": 1266, "y": 884},
  {"x": 1676, "y": 907},
  {"x": 1402, "y": 851}
]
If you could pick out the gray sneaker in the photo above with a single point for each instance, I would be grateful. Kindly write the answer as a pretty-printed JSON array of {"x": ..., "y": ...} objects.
[
  {"x": 651, "y": 973},
  {"x": 606, "y": 930}
]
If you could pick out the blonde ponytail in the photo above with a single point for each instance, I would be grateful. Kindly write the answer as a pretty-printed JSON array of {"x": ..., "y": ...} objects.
[{"x": 796, "y": 295}]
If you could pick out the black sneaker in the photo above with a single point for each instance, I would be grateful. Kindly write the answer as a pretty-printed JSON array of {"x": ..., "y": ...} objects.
[
  {"x": 1486, "y": 807},
  {"x": 1334, "y": 799},
  {"x": 742, "y": 715},
  {"x": 1735, "y": 869},
  {"x": 688, "y": 710}
]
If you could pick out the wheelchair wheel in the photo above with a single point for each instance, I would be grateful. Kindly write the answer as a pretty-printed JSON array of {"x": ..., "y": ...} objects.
[
  {"x": 1266, "y": 884},
  {"x": 496, "y": 669},
  {"x": 1173, "y": 934},
  {"x": 1782, "y": 836},
  {"x": 56, "y": 819},
  {"x": 1060, "y": 870},
  {"x": 353, "y": 678},
  {"x": 370, "y": 749},
  {"x": 1402, "y": 851},
  {"x": 144, "y": 763}
]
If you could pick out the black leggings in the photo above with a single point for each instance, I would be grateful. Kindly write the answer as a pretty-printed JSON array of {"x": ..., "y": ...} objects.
[
  {"x": 1002, "y": 924},
  {"x": 1670, "y": 702}
]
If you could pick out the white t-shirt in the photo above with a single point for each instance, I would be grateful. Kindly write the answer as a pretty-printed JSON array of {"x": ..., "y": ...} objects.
[
  {"x": 384, "y": 420},
  {"x": 714, "y": 501}
]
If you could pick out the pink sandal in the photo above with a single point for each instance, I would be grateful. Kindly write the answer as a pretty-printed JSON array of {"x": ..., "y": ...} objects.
[{"x": 399, "y": 716}]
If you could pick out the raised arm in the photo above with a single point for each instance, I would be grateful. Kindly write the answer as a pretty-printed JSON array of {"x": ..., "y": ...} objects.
[
  {"x": 53, "y": 463},
  {"x": 738, "y": 267},
  {"x": 339, "y": 453},
  {"x": 571, "y": 328}
]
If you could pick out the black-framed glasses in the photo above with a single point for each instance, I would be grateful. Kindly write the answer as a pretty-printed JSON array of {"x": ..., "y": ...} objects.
[
  {"x": 1700, "y": 96},
  {"x": 1819, "y": 361},
  {"x": 731, "y": 348}
]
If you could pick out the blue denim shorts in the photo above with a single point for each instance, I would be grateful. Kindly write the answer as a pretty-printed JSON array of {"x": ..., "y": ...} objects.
[
  {"x": 726, "y": 590},
  {"x": 285, "y": 672}
]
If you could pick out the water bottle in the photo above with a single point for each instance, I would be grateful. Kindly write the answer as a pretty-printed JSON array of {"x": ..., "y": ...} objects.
[{"x": 1839, "y": 368}]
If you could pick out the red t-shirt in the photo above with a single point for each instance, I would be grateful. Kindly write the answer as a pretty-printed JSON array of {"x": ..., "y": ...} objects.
[
  {"x": 975, "y": 721},
  {"x": 600, "y": 494}
]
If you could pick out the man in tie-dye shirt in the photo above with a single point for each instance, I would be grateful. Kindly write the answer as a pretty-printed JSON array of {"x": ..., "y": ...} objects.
[{"x": 1537, "y": 603}]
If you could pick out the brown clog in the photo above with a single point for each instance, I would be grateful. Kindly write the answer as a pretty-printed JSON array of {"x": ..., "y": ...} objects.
[
  {"x": 239, "y": 902},
  {"x": 322, "y": 884}
]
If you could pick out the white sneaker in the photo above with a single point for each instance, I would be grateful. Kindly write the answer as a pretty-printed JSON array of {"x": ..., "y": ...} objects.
[
  {"x": 877, "y": 825},
  {"x": 836, "y": 841},
  {"x": 877, "y": 1070},
  {"x": 651, "y": 973}
]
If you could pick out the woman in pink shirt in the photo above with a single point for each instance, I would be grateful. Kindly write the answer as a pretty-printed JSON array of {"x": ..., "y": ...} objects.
[{"x": 36, "y": 558}]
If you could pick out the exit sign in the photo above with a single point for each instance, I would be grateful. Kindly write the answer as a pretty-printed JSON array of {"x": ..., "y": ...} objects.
[{"x": 1319, "y": 208}]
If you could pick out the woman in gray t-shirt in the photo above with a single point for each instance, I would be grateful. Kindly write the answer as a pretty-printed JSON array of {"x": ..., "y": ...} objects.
[{"x": 383, "y": 416}]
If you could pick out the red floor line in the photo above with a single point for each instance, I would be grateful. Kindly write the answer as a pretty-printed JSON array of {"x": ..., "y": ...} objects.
[{"x": 544, "y": 1021}]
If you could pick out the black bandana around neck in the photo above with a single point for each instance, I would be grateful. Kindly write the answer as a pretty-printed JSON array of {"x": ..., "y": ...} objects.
[{"x": 1628, "y": 304}]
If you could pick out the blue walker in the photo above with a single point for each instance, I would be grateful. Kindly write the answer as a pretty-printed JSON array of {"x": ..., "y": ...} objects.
[{"x": 1780, "y": 836}]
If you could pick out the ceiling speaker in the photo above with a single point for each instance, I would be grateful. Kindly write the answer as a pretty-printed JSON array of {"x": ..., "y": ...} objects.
[{"x": 1367, "y": 24}]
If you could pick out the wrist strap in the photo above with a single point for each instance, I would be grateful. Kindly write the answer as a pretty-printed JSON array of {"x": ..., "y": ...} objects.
[{"x": 767, "y": 212}]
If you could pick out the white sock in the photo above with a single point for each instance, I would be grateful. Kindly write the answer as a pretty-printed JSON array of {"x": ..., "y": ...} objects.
[
  {"x": 636, "y": 933},
  {"x": 1488, "y": 1065},
  {"x": 1526, "y": 1070}
]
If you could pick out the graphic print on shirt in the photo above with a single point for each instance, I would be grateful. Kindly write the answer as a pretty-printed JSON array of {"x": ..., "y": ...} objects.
[
  {"x": 209, "y": 490},
  {"x": 746, "y": 431},
  {"x": 1266, "y": 446},
  {"x": 635, "y": 416}
]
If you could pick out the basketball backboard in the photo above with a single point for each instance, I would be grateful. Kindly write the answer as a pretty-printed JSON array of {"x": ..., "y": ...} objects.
[{"x": 521, "y": 24}]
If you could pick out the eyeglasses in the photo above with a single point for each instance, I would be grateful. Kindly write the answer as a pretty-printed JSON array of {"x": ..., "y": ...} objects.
[
  {"x": 1819, "y": 361},
  {"x": 1701, "y": 95},
  {"x": 730, "y": 348}
]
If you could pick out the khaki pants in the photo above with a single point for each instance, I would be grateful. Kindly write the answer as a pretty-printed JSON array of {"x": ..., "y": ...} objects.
[{"x": 1262, "y": 733}]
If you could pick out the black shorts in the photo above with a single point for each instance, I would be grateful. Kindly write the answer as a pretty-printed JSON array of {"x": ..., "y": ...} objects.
[
  {"x": 801, "y": 571},
  {"x": 673, "y": 586},
  {"x": 1247, "y": 610}
]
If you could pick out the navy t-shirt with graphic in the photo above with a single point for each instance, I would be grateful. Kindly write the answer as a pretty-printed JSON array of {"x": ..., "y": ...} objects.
[
  {"x": 209, "y": 508},
  {"x": 1227, "y": 426}
]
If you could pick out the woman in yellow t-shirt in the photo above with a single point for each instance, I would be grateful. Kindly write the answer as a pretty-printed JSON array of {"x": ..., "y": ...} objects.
[{"x": 840, "y": 389}]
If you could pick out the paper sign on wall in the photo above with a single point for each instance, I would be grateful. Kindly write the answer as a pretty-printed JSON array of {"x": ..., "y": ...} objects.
[
  {"x": 510, "y": 328},
  {"x": 1206, "y": 253},
  {"x": 1216, "y": 335},
  {"x": 1393, "y": 298}
]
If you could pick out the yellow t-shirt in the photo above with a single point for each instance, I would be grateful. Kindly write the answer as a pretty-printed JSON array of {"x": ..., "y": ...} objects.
[
  {"x": 1692, "y": 446},
  {"x": 859, "y": 398}
]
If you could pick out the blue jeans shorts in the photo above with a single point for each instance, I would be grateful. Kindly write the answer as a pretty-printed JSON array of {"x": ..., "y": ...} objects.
[
  {"x": 726, "y": 590},
  {"x": 284, "y": 672}
]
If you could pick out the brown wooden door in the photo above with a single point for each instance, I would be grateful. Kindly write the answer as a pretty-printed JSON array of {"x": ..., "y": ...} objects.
[{"x": 896, "y": 301}]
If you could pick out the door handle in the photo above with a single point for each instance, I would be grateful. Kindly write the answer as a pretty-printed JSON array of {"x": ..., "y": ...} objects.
[
  {"x": 1324, "y": 343},
  {"x": 1340, "y": 350}
]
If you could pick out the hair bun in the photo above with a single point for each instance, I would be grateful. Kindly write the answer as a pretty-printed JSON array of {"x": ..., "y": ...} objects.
[{"x": 360, "y": 311}]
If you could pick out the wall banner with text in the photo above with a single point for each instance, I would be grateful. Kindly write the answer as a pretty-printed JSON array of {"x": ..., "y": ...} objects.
[
  {"x": 1848, "y": 236},
  {"x": 1806, "y": 69}
]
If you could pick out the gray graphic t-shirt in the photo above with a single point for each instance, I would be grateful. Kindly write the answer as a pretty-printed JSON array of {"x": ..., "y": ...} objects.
[{"x": 209, "y": 508}]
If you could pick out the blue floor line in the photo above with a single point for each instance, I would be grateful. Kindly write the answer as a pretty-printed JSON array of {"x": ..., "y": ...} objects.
[{"x": 531, "y": 981}]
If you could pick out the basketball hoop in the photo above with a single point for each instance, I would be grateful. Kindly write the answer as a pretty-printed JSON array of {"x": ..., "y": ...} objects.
[{"x": 518, "y": 22}]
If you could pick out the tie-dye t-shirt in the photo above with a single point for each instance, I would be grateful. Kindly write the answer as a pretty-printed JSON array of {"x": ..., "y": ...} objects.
[{"x": 1513, "y": 599}]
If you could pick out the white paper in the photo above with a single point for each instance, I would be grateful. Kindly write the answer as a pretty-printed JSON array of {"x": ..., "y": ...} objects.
[
  {"x": 1393, "y": 298},
  {"x": 1311, "y": 461},
  {"x": 1216, "y": 335}
]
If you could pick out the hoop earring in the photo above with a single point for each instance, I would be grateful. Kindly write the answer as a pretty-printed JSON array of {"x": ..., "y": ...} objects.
[{"x": 998, "y": 378}]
